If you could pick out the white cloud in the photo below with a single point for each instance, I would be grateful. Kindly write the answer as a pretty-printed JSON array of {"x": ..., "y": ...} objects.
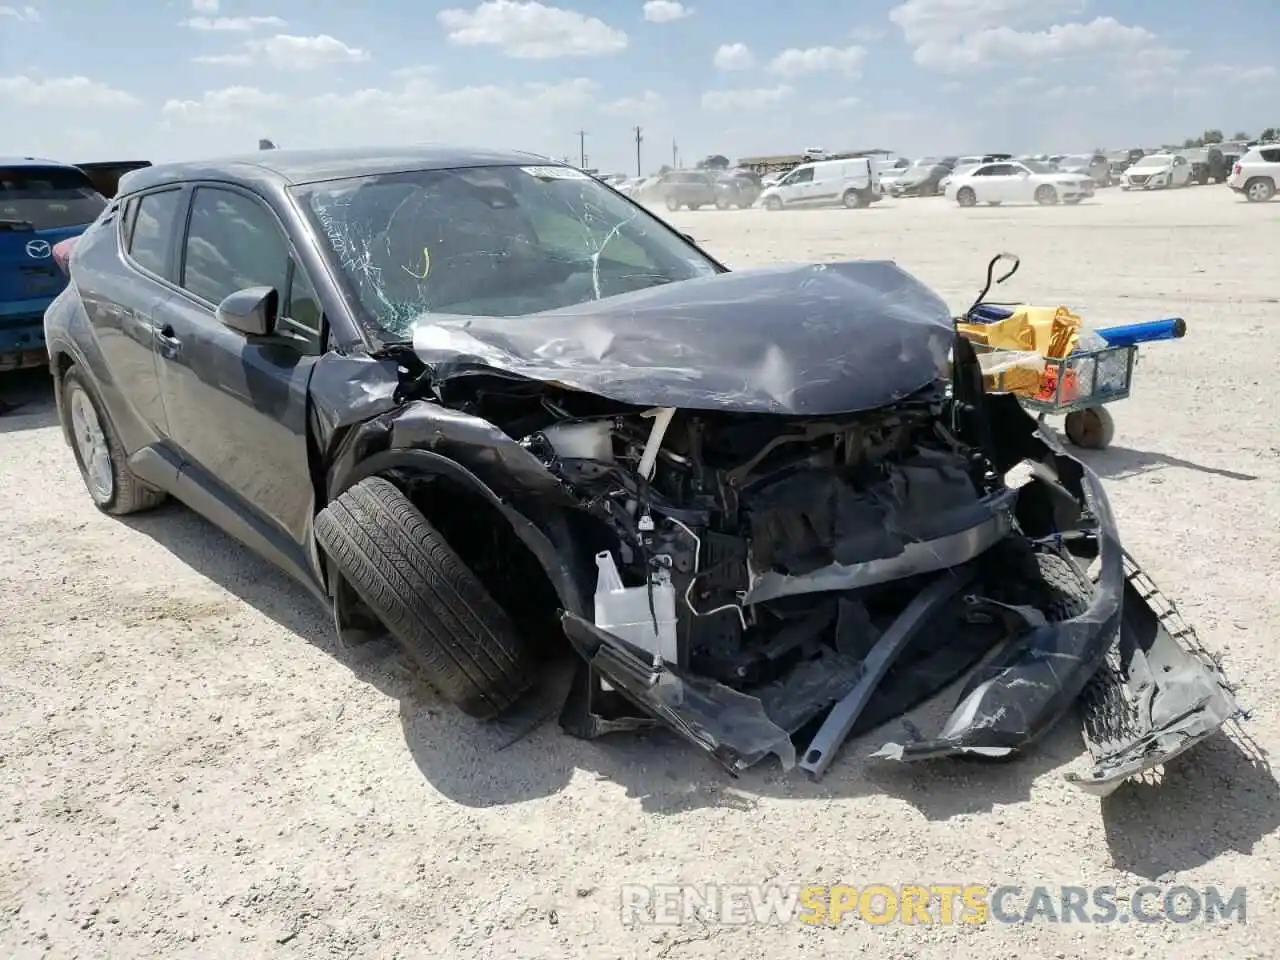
[
  {"x": 21, "y": 14},
  {"x": 419, "y": 103},
  {"x": 664, "y": 11},
  {"x": 734, "y": 56},
  {"x": 647, "y": 103},
  {"x": 1004, "y": 44},
  {"x": 954, "y": 35},
  {"x": 232, "y": 105},
  {"x": 796, "y": 62},
  {"x": 1235, "y": 74},
  {"x": 839, "y": 105},
  {"x": 744, "y": 99},
  {"x": 528, "y": 30},
  {"x": 63, "y": 92},
  {"x": 286, "y": 52},
  {"x": 204, "y": 6},
  {"x": 231, "y": 24}
]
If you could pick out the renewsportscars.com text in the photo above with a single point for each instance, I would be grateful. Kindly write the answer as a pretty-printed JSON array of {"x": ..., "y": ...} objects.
[{"x": 938, "y": 903}]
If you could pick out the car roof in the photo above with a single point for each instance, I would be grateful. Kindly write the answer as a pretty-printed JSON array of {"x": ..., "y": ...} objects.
[
  {"x": 287, "y": 167},
  {"x": 16, "y": 162}
]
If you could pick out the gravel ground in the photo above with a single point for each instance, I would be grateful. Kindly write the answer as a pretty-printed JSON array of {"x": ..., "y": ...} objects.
[{"x": 191, "y": 768}]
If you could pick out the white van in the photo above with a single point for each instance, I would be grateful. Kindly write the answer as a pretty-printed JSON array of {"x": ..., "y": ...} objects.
[{"x": 854, "y": 182}]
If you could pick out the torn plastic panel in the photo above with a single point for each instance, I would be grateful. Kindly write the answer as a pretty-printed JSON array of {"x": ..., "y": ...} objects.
[
  {"x": 785, "y": 340},
  {"x": 1158, "y": 695},
  {"x": 733, "y": 727},
  {"x": 1136, "y": 716}
]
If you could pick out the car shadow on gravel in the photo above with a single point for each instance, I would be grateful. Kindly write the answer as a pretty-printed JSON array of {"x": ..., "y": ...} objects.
[
  {"x": 525, "y": 755},
  {"x": 1121, "y": 463},
  {"x": 1221, "y": 797},
  {"x": 26, "y": 401}
]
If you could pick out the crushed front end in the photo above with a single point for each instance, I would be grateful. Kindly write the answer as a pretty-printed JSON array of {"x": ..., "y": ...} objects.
[{"x": 805, "y": 580}]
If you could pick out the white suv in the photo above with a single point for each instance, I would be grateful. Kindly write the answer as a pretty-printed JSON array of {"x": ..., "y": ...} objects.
[{"x": 1257, "y": 173}]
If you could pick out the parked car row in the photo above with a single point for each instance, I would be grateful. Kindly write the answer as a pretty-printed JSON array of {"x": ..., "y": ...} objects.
[{"x": 42, "y": 204}]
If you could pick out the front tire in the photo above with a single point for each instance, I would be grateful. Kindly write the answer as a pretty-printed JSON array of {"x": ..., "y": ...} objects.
[
  {"x": 853, "y": 200},
  {"x": 673, "y": 204},
  {"x": 104, "y": 467},
  {"x": 1092, "y": 428},
  {"x": 966, "y": 197},
  {"x": 1046, "y": 196},
  {"x": 772, "y": 203},
  {"x": 438, "y": 610}
]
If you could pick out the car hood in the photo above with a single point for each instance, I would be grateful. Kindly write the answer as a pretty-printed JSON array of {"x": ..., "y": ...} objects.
[
  {"x": 813, "y": 339},
  {"x": 1148, "y": 171}
]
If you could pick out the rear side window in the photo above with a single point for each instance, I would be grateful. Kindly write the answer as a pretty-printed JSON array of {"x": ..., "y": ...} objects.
[
  {"x": 149, "y": 229},
  {"x": 1271, "y": 156},
  {"x": 48, "y": 197}
]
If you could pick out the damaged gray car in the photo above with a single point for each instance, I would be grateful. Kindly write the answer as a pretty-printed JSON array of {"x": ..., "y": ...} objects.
[{"x": 485, "y": 404}]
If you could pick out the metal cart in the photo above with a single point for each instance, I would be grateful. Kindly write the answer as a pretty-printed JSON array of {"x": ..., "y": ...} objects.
[{"x": 1081, "y": 384}]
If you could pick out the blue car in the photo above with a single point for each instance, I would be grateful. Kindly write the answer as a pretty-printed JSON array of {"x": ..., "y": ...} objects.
[{"x": 41, "y": 203}]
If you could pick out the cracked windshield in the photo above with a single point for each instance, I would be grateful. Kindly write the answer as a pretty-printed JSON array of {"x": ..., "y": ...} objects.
[{"x": 490, "y": 241}]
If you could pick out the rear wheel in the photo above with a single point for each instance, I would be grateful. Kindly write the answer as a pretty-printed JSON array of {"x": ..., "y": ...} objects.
[
  {"x": 853, "y": 199},
  {"x": 112, "y": 486},
  {"x": 722, "y": 204},
  {"x": 1259, "y": 190},
  {"x": 438, "y": 610},
  {"x": 966, "y": 197},
  {"x": 673, "y": 204},
  {"x": 1045, "y": 195}
]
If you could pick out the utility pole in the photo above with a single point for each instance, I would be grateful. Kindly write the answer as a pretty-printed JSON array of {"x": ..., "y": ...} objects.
[
  {"x": 675, "y": 155},
  {"x": 639, "y": 140},
  {"x": 582, "y": 148}
]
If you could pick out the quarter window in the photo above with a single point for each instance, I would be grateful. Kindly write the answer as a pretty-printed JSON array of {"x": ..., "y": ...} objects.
[{"x": 150, "y": 234}]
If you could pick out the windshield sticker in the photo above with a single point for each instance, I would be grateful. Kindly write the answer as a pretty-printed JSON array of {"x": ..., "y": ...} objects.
[
  {"x": 555, "y": 173},
  {"x": 426, "y": 266}
]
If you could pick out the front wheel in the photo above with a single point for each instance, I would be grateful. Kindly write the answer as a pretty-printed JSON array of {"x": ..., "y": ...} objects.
[
  {"x": 723, "y": 205},
  {"x": 1092, "y": 428},
  {"x": 104, "y": 468},
  {"x": 966, "y": 197},
  {"x": 772, "y": 203},
  {"x": 428, "y": 599},
  {"x": 673, "y": 204},
  {"x": 1046, "y": 196},
  {"x": 853, "y": 200}
]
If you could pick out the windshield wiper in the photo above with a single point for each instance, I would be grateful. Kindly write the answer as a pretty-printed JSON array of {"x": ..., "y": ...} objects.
[{"x": 9, "y": 224}]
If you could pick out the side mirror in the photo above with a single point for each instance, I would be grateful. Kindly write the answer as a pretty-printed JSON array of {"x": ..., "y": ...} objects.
[{"x": 252, "y": 311}]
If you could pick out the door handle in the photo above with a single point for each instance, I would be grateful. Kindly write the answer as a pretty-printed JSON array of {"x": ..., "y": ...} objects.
[{"x": 166, "y": 337}]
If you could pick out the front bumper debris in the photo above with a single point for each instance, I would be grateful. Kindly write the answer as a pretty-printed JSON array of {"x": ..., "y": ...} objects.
[{"x": 1147, "y": 690}]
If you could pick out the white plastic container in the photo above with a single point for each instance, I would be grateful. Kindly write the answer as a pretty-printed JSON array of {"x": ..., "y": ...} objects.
[
  {"x": 590, "y": 440},
  {"x": 624, "y": 611}
]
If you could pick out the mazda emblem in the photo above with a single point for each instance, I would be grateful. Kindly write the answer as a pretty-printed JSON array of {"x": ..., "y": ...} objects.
[{"x": 38, "y": 249}]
